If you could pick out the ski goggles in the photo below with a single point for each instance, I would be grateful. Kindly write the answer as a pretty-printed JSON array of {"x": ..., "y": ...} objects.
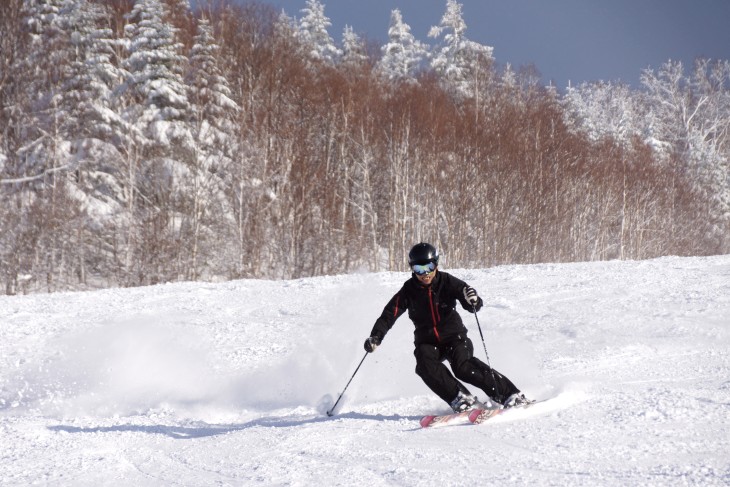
[{"x": 423, "y": 269}]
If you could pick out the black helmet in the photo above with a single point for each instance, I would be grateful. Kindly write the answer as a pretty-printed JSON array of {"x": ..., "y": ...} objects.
[{"x": 423, "y": 253}]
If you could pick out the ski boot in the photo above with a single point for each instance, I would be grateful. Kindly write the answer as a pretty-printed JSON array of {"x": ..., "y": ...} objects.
[
  {"x": 517, "y": 399},
  {"x": 464, "y": 402}
]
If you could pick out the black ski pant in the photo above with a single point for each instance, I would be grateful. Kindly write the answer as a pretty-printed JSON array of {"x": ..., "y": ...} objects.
[{"x": 467, "y": 368}]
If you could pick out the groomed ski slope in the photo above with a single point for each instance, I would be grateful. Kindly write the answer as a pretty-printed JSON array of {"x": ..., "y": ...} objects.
[{"x": 227, "y": 384}]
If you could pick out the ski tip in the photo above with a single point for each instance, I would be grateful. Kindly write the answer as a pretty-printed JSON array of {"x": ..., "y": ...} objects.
[{"x": 426, "y": 421}]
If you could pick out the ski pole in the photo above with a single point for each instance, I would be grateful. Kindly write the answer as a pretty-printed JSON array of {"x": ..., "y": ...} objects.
[
  {"x": 331, "y": 411},
  {"x": 484, "y": 343},
  {"x": 481, "y": 334}
]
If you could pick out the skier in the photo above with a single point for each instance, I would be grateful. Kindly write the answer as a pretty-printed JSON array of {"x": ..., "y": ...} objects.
[{"x": 430, "y": 297}]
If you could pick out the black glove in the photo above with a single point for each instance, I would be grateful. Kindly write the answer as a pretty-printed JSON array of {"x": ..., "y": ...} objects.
[
  {"x": 372, "y": 343},
  {"x": 471, "y": 296}
]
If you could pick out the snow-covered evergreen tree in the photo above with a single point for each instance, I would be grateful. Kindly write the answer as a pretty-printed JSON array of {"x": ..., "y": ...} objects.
[
  {"x": 48, "y": 207},
  {"x": 159, "y": 105},
  {"x": 354, "y": 49},
  {"x": 462, "y": 64},
  {"x": 286, "y": 36},
  {"x": 94, "y": 74},
  {"x": 314, "y": 36},
  {"x": 44, "y": 68},
  {"x": 90, "y": 119},
  {"x": 160, "y": 161},
  {"x": 44, "y": 24},
  {"x": 214, "y": 130},
  {"x": 212, "y": 104},
  {"x": 403, "y": 55}
]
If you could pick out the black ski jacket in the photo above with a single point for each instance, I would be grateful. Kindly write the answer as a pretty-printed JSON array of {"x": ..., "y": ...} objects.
[{"x": 431, "y": 308}]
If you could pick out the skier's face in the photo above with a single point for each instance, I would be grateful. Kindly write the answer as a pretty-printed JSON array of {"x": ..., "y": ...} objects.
[{"x": 426, "y": 279}]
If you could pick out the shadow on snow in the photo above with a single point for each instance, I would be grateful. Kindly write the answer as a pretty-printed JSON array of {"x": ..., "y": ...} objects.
[{"x": 201, "y": 429}]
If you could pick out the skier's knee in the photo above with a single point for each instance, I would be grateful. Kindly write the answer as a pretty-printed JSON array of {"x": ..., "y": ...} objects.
[
  {"x": 471, "y": 370},
  {"x": 466, "y": 371}
]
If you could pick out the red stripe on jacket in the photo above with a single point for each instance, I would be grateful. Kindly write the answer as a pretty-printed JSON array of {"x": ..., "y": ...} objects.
[{"x": 434, "y": 315}]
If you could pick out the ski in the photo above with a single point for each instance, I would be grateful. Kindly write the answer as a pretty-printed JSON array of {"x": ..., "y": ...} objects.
[
  {"x": 434, "y": 421},
  {"x": 472, "y": 416}
]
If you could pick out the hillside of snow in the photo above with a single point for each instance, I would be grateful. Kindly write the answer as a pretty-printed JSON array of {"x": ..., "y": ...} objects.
[{"x": 227, "y": 384}]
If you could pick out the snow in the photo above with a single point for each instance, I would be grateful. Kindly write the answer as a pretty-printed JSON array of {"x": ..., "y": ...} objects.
[{"x": 227, "y": 384}]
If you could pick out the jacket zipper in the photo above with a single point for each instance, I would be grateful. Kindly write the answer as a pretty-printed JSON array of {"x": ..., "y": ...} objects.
[{"x": 434, "y": 315}]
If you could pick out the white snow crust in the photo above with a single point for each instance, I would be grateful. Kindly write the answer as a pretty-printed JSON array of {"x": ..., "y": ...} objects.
[{"x": 228, "y": 384}]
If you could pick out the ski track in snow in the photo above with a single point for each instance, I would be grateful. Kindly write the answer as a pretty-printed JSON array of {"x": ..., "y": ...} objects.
[{"x": 227, "y": 384}]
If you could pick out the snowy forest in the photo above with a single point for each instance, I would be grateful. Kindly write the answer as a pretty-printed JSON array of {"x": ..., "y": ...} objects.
[{"x": 145, "y": 142}]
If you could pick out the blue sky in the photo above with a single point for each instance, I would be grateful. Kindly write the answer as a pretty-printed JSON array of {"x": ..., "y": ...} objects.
[{"x": 566, "y": 40}]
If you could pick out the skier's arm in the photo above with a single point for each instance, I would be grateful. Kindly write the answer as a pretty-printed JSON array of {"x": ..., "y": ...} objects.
[{"x": 392, "y": 311}]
